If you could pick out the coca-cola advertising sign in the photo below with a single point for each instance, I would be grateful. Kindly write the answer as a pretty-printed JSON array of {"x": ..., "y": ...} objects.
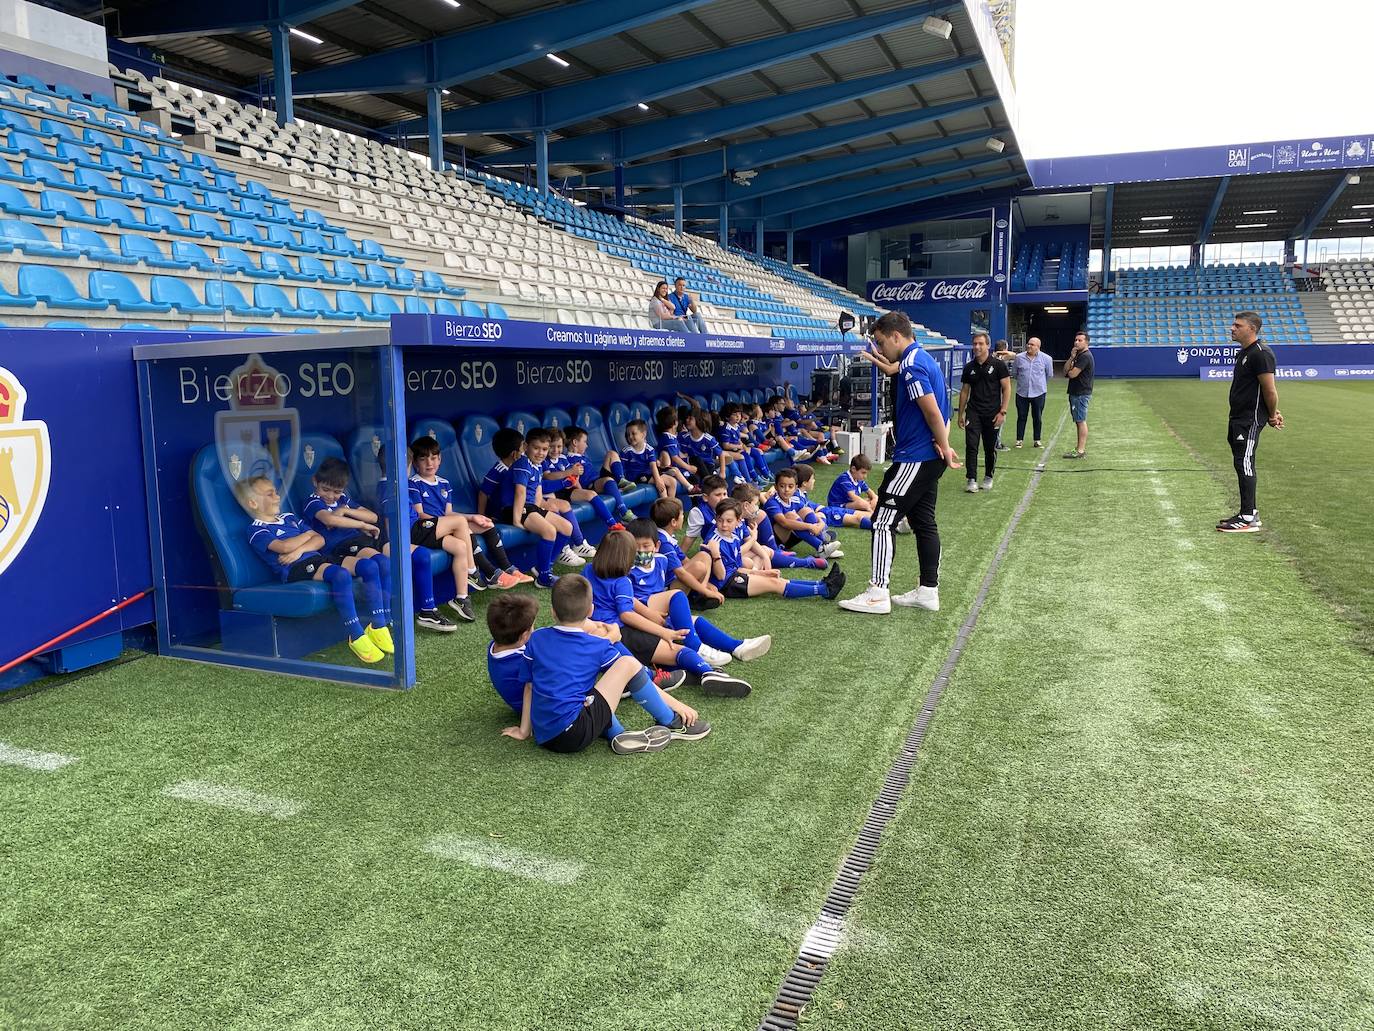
[{"x": 929, "y": 291}]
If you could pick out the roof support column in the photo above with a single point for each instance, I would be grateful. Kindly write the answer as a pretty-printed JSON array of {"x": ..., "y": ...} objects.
[
  {"x": 725, "y": 225},
  {"x": 281, "y": 71},
  {"x": 758, "y": 238},
  {"x": 791, "y": 241},
  {"x": 1107, "y": 238},
  {"x": 541, "y": 159},
  {"x": 434, "y": 100},
  {"x": 677, "y": 208},
  {"x": 1211, "y": 216}
]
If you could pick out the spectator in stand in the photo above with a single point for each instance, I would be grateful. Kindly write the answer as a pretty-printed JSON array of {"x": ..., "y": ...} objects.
[
  {"x": 685, "y": 306},
  {"x": 1033, "y": 370},
  {"x": 661, "y": 314}
]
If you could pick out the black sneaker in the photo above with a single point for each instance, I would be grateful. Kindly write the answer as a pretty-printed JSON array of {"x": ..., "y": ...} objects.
[
  {"x": 462, "y": 608},
  {"x": 1227, "y": 519},
  {"x": 1240, "y": 525},
  {"x": 476, "y": 581},
  {"x": 669, "y": 679},
  {"x": 723, "y": 685},
  {"x": 695, "y": 732},
  {"x": 700, "y": 603},
  {"x": 433, "y": 619},
  {"x": 632, "y": 742},
  {"x": 834, "y": 581}
]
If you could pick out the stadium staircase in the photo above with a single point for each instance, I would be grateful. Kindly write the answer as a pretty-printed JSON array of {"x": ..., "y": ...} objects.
[{"x": 1194, "y": 306}]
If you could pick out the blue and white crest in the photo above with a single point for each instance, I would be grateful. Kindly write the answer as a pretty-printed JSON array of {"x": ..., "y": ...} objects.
[{"x": 258, "y": 435}]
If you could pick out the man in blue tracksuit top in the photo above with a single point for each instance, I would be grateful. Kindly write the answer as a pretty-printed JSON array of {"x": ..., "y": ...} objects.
[
  {"x": 919, "y": 459},
  {"x": 685, "y": 307}
]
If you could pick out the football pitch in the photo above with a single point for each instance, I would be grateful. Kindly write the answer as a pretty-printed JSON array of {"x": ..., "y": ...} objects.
[{"x": 1144, "y": 800}]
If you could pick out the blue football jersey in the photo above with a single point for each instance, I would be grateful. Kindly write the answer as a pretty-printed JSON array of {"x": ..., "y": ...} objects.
[
  {"x": 384, "y": 500},
  {"x": 844, "y": 483},
  {"x": 730, "y": 556},
  {"x": 669, "y": 549},
  {"x": 565, "y": 663},
  {"x": 524, "y": 474},
  {"x": 637, "y": 463},
  {"x": 315, "y": 506},
  {"x": 433, "y": 498},
  {"x": 610, "y": 597},
  {"x": 499, "y": 485},
  {"x": 509, "y": 670},
  {"x": 646, "y": 581},
  {"x": 705, "y": 448},
  {"x": 262, "y": 532}
]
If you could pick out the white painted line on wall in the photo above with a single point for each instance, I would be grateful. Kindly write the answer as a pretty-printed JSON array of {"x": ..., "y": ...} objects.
[
  {"x": 227, "y": 797},
  {"x": 487, "y": 855},
  {"x": 11, "y": 755}
]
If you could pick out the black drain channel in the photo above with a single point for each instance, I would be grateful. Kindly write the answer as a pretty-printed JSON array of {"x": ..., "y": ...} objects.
[{"x": 821, "y": 941}]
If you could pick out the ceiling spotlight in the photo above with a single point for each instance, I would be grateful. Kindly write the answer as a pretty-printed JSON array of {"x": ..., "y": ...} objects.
[
  {"x": 1147, "y": 232},
  {"x": 1262, "y": 211},
  {"x": 448, "y": 92},
  {"x": 307, "y": 37},
  {"x": 642, "y": 106},
  {"x": 995, "y": 145},
  {"x": 1353, "y": 179},
  {"x": 1251, "y": 225},
  {"x": 937, "y": 27},
  {"x": 1156, "y": 218},
  {"x": 557, "y": 60},
  {"x": 453, "y": 3}
]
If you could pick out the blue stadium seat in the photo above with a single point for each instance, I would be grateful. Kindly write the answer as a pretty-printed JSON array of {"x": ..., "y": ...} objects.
[
  {"x": 120, "y": 290},
  {"x": 93, "y": 246},
  {"x": 27, "y": 143},
  {"x": 639, "y": 410},
  {"x": 598, "y": 443},
  {"x": 346, "y": 271},
  {"x": 19, "y": 300},
  {"x": 375, "y": 275},
  {"x": 349, "y": 303},
  {"x": 52, "y": 286},
  {"x": 119, "y": 213},
  {"x": 442, "y": 306},
  {"x": 372, "y": 249},
  {"x": 97, "y": 183},
  {"x": 32, "y": 240},
  {"x": 273, "y": 298},
  {"x": 314, "y": 302},
  {"x": 473, "y": 310},
  {"x": 178, "y": 293},
  {"x": 316, "y": 270},
  {"x": 219, "y": 294},
  {"x": 281, "y": 265},
  {"x": 522, "y": 421},
  {"x": 416, "y": 305},
  {"x": 140, "y": 248},
  {"x": 495, "y": 311},
  {"x": 430, "y": 282},
  {"x": 13, "y": 201},
  {"x": 383, "y": 307},
  {"x": 617, "y": 415},
  {"x": 168, "y": 221},
  {"x": 275, "y": 235},
  {"x": 361, "y": 448},
  {"x": 209, "y": 226},
  {"x": 557, "y": 418},
  {"x": 311, "y": 450},
  {"x": 193, "y": 254},
  {"x": 70, "y": 208},
  {"x": 146, "y": 192},
  {"x": 236, "y": 260},
  {"x": 47, "y": 172}
]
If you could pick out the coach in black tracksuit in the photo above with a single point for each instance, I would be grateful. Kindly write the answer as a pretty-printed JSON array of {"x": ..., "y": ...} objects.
[
  {"x": 983, "y": 400},
  {"x": 1254, "y": 404}
]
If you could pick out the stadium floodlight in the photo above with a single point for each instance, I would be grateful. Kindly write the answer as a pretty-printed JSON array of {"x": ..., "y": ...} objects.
[
  {"x": 1251, "y": 225},
  {"x": 937, "y": 27},
  {"x": 448, "y": 92},
  {"x": 306, "y": 36},
  {"x": 995, "y": 145},
  {"x": 1263, "y": 211},
  {"x": 1360, "y": 207},
  {"x": 642, "y": 106},
  {"x": 1345, "y": 221},
  {"x": 1353, "y": 179},
  {"x": 453, "y": 3},
  {"x": 1156, "y": 218},
  {"x": 557, "y": 60},
  {"x": 1057, "y": 309},
  {"x": 1147, "y": 232}
]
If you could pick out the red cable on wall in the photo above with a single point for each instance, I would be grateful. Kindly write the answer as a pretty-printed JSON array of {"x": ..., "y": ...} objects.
[{"x": 74, "y": 630}]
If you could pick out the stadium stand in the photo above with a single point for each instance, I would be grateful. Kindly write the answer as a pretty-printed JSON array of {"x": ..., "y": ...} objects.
[
  {"x": 1180, "y": 305},
  {"x": 1053, "y": 265},
  {"x": 1350, "y": 295}
]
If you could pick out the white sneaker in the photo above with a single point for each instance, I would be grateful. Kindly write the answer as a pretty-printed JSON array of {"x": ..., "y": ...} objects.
[
  {"x": 972, "y": 487},
  {"x": 831, "y": 549},
  {"x": 585, "y": 550},
  {"x": 875, "y": 599},
  {"x": 921, "y": 598},
  {"x": 987, "y": 483},
  {"x": 714, "y": 656},
  {"x": 753, "y": 648},
  {"x": 571, "y": 558},
  {"x": 903, "y": 527}
]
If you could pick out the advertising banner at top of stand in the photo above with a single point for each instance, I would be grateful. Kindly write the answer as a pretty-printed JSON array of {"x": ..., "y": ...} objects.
[
  {"x": 1304, "y": 155},
  {"x": 946, "y": 290},
  {"x": 553, "y": 336}
]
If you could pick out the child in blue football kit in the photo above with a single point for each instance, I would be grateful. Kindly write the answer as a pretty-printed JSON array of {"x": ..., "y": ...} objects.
[
  {"x": 701, "y": 519},
  {"x": 352, "y": 531},
  {"x": 512, "y": 503},
  {"x": 699, "y": 446},
  {"x": 563, "y": 473},
  {"x": 610, "y": 480},
  {"x": 693, "y": 574},
  {"x": 834, "y": 515},
  {"x": 529, "y": 471},
  {"x": 795, "y": 520},
  {"x": 643, "y": 630},
  {"x": 650, "y": 578},
  {"x": 730, "y": 550},
  {"x": 576, "y": 680},
  {"x": 293, "y": 552},
  {"x": 851, "y": 490},
  {"x": 749, "y": 462},
  {"x": 757, "y": 521},
  {"x": 639, "y": 463},
  {"x": 679, "y": 472}
]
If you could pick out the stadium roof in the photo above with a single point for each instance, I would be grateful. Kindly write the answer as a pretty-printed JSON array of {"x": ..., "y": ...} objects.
[{"x": 858, "y": 94}]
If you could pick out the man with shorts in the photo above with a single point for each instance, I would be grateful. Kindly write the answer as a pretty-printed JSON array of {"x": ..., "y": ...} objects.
[
  {"x": 920, "y": 457},
  {"x": 1254, "y": 404},
  {"x": 1079, "y": 370}
]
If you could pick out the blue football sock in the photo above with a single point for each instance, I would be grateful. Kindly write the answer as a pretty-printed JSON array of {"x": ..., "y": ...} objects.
[
  {"x": 811, "y": 539},
  {"x": 366, "y": 571},
  {"x": 341, "y": 590},
  {"x": 715, "y": 637},
  {"x": 804, "y": 589},
  {"x": 611, "y": 488},
  {"x": 782, "y": 560},
  {"x": 765, "y": 533},
  {"x": 615, "y": 729},
  {"x": 680, "y": 618},
  {"x": 603, "y": 512},
  {"x": 383, "y": 565},
  {"x": 865, "y": 523},
  {"x": 422, "y": 579},
  {"x": 650, "y": 699},
  {"x": 617, "y": 470},
  {"x": 544, "y": 552},
  {"x": 692, "y": 662},
  {"x": 576, "y": 534}
]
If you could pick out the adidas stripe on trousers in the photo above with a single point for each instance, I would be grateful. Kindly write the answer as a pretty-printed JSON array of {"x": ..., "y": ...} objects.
[
  {"x": 1243, "y": 436},
  {"x": 908, "y": 491}
]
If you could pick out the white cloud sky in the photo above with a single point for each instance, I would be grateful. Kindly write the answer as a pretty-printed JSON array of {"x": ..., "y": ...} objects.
[{"x": 1114, "y": 76}]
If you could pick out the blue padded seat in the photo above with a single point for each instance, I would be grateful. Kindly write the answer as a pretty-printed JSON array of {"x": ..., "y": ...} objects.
[
  {"x": 383, "y": 306},
  {"x": 32, "y": 240},
  {"x": 238, "y": 261},
  {"x": 250, "y": 584},
  {"x": 53, "y": 287},
  {"x": 717, "y": 402},
  {"x": 119, "y": 213},
  {"x": 219, "y": 294},
  {"x": 474, "y": 445},
  {"x": 442, "y": 306},
  {"x": 473, "y": 310},
  {"x": 353, "y": 305},
  {"x": 557, "y": 418},
  {"x": 311, "y": 450},
  {"x": 13, "y": 201},
  {"x": 639, "y": 410},
  {"x": 93, "y": 245},
  {"x": 178, "y": 293},
  {"x": 168, "y": 221},
  {"x": 522, "y": 421},
  {"x": 55, "y": 203},
  {"x": 121, "y": 291},
  {"x": 617, "y": 415},
  {"x": 273, "y": 298},
  {"x": 141, "y": 248}
]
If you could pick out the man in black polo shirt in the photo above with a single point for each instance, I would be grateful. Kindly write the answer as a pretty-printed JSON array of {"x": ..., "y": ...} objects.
[
  {"x": 1079, "y": 370},
  {"x": 983, "y": 400},
  {"x": 1254, "y": 404}
]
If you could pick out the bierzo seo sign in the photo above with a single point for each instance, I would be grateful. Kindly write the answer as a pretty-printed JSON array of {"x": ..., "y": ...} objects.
[{"x": 929, "y": 291}]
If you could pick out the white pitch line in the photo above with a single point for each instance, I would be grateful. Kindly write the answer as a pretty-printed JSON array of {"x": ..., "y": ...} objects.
[
  {"x": 227, "y": 797},
  {"x": 11, "y": 755},
  {"x": 1214, "y": 602},
  {"x": 486, "y": 855},
  {"x": 1173, "y": 521}
]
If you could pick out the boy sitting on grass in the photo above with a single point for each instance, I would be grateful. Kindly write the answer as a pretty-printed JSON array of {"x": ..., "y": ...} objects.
[
  {"x": 731, "y": 573},
  {"x": 758, "y": 523},
  {"x": 851, "y": 490},
  {"x": 352, "y": 531},
  {"x": 694, "y": 574},
  {"x": 576, "y": 680},
  {"x": 834, "y": 515},
  {"x": 292, "y": 551},
  {"x": 795, "y": 520}
]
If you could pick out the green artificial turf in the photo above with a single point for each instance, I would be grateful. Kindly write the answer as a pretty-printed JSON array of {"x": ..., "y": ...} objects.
[
  {"x": 700, "y": 867},
  {"x": 1144, "y": 801}
]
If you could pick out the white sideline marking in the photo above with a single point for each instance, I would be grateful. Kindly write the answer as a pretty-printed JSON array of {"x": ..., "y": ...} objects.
[
  {"x": 10, "y": 755},
  {"x": 1192, "y": 568},
  {"x": 1183, "y": 545},
  {"x": 1174, "y": 522},
  {"x": 1214, "y": 602},
  {"x": 1238, "y": 651},
  {"x": 486, "y": 855},
  {"x": 823, "y": 938},
  {"x": 227, "y": 797}
]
